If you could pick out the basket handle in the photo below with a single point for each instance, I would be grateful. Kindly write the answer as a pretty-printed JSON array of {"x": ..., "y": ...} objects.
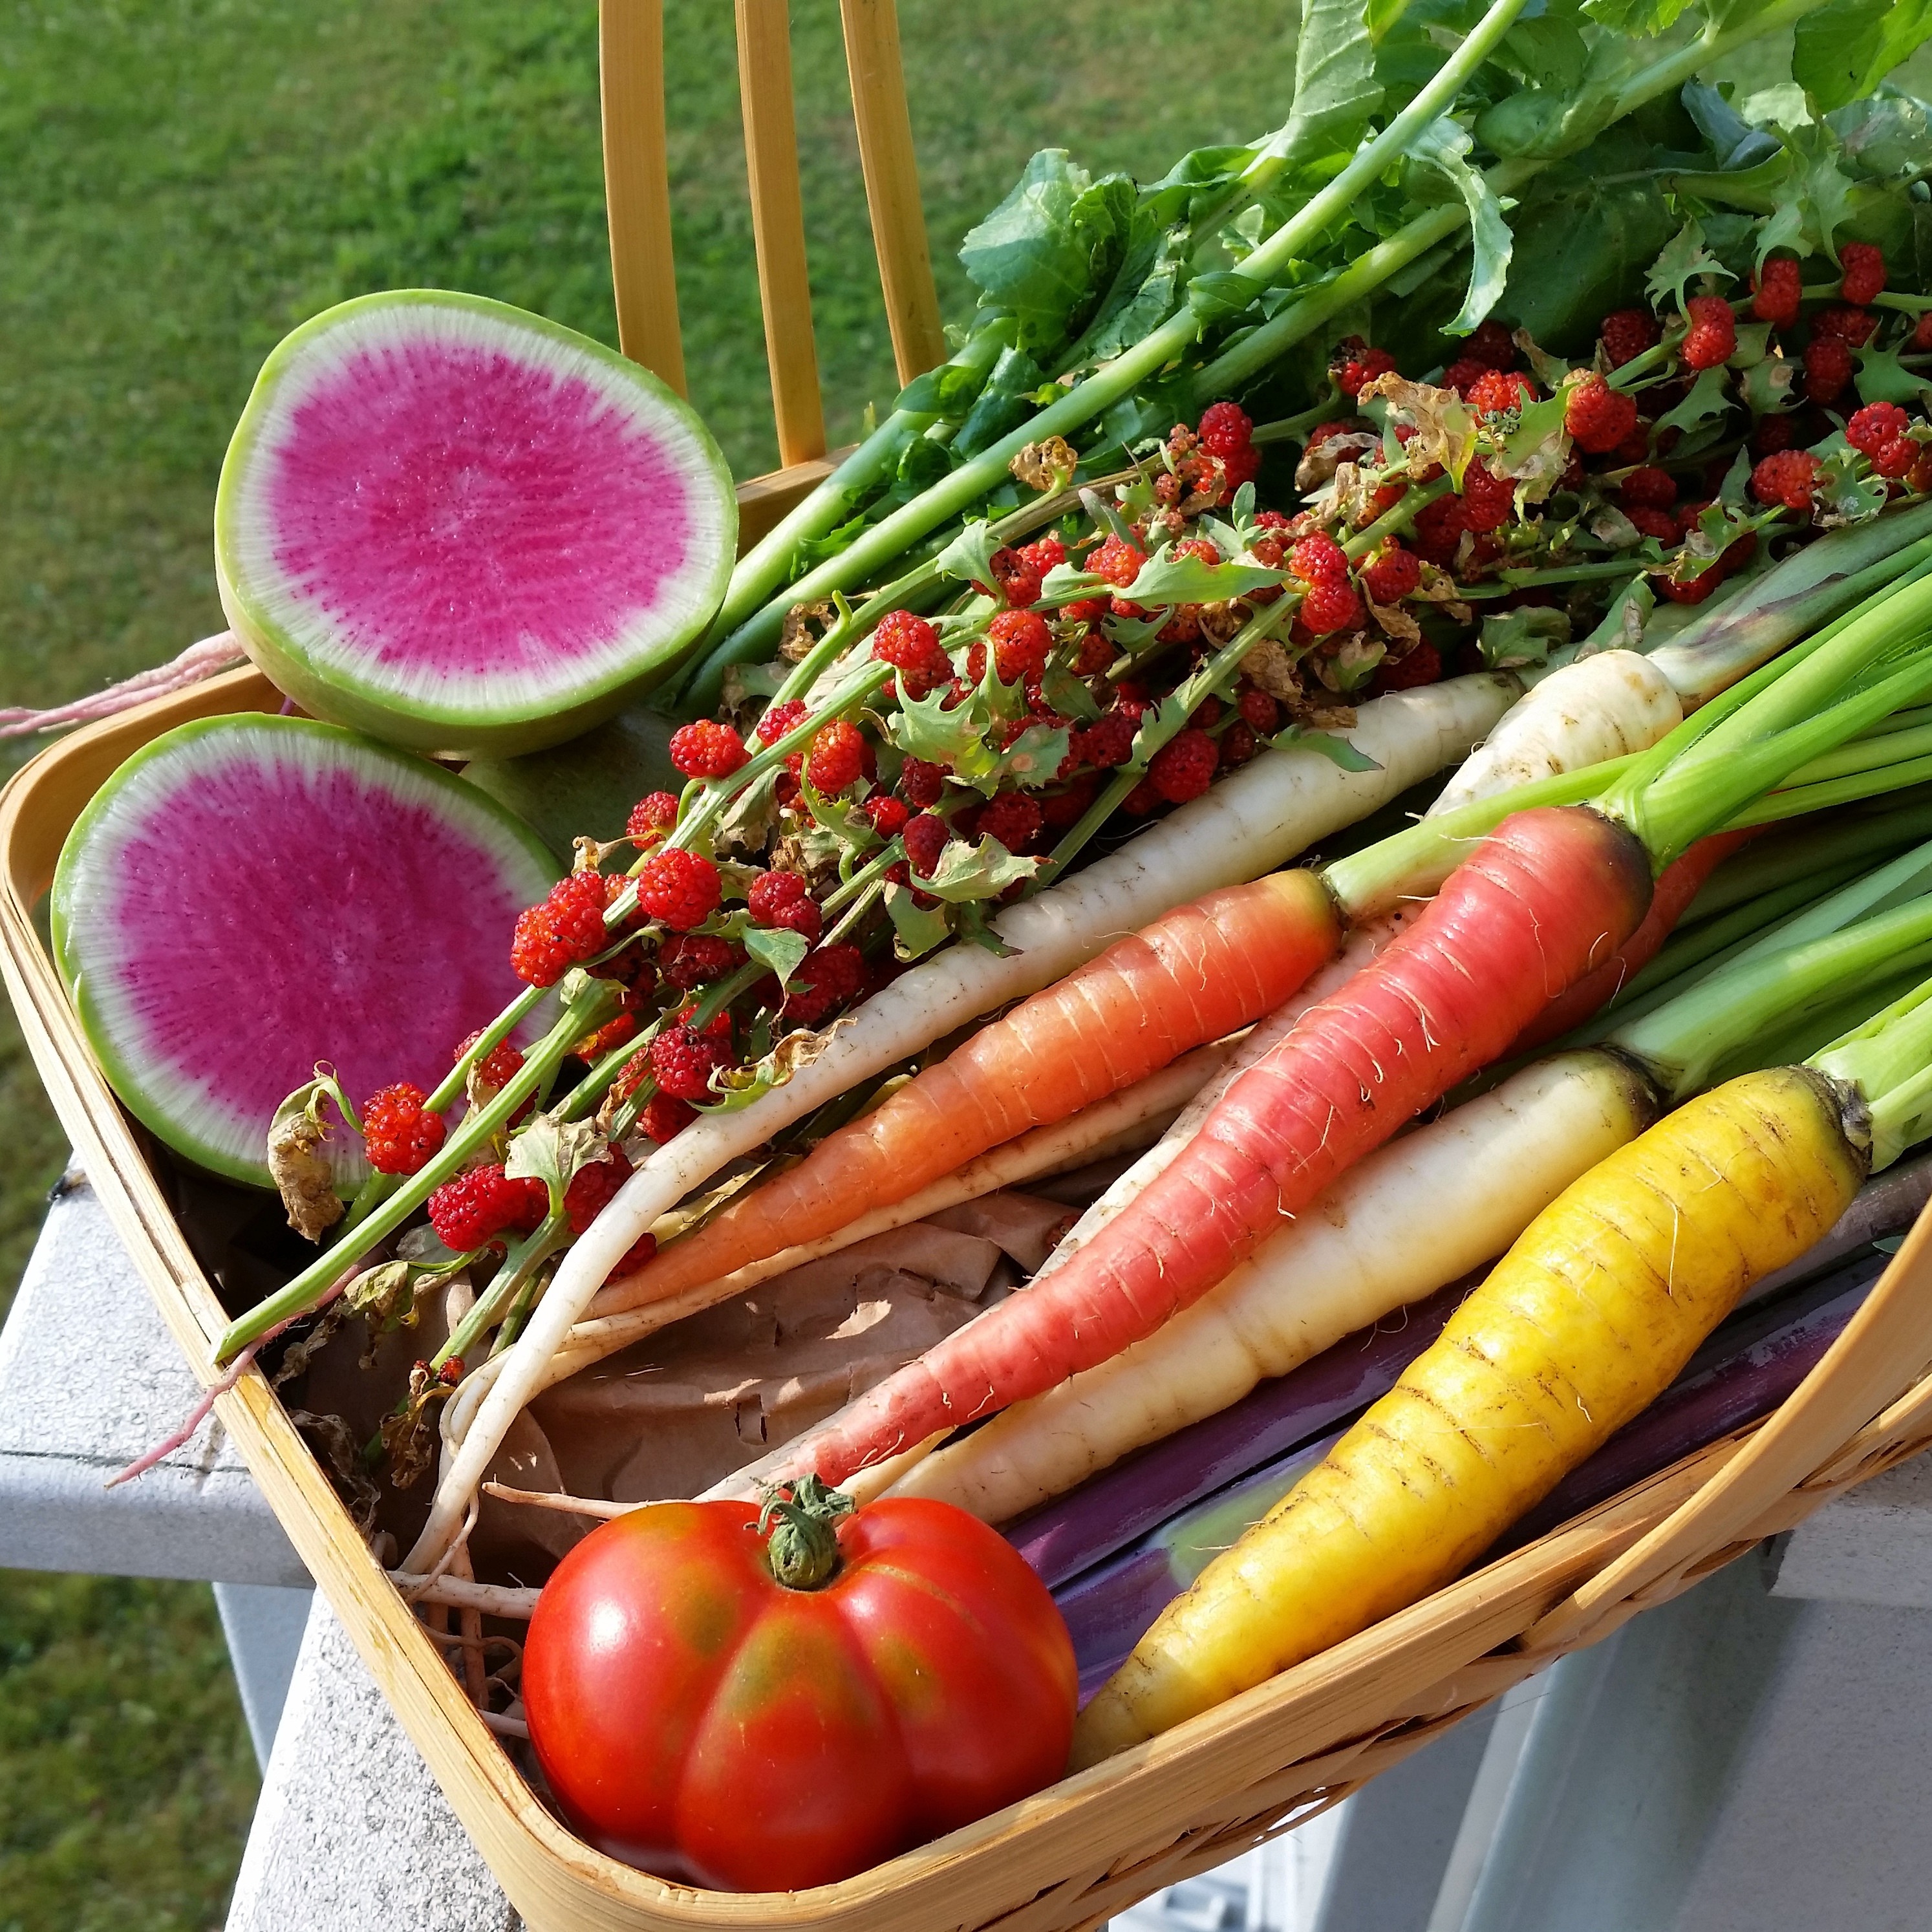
[
  {"x": 778, "y": 227},
  {"x": 636, "y": 184},
  {"x": 1883, "y": 1350},
  {"x": 884, "y": 124}
]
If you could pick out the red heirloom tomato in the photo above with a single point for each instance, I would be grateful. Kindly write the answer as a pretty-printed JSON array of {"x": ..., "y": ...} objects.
[{"x": 762, "y": 1704}]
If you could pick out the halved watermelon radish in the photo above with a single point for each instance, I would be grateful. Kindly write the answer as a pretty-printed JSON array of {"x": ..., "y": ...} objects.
[
  {"x": 248, "y": 894},
  {"x": 465, "y": 529}
]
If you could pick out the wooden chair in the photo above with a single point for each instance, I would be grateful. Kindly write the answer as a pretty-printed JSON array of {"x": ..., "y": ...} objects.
[{"x": 637, "y": 179}]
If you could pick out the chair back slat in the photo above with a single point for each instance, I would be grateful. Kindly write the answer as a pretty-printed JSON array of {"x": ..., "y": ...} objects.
[
  {"x": 892, "y": 184},
  {"x": 637, "y": 178},
  {"x": 636, "y": 184},
  {"x": 777, "y": 226}
]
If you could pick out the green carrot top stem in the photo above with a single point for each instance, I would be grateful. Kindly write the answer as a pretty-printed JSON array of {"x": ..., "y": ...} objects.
[
  {"x": 1888, "y": 1060},
  {"x": 1411, "y": 863},
  {"x": 1794, "y": 709},
  {"x": 1766, "y": 864},
  {"x": 1681, "y": 1042}
]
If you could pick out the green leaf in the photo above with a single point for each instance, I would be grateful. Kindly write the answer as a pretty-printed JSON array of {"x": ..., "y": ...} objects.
[
  {"x": 1846, "y": 491},
  {"x": 1220, "y": 294},
  {"x": 974, "y": 930},
  {"x": 555, "y": 1152},
  {"x": 1538, "y": 450},
  {"x": 1337, "y": 751},
  {"x": 1585, "y": 233},
  {"x": 1167, "y": 578},
  {"x": 981, "y": 871},
  {"x": 1445, "y": 144},
  {"x": 1047, "y": 249},
  {"x": 1032, "y": 759},
  {"x": 917, "y": 930},
  {"x": 776, "y": 949},
  {"x": 1525, "y": 637},
  {"x": 1146, "y": 290},
  {"x": 1883, "y": 378},
  {"x": 1068, "y": 694},
  {"x": 968, "y": 558},
  {"x": 1709, "y": 397},
  {"x": 1550, "y": 49},
  {"x": 1767, "y": 385},
  {"x": 846, "y": 823},
  {"x": 1336, "y": 90},
  {"x": 1887, "y": 135},
  {"x": 922, "y": 728},
  {"x": 1635, "y": 17},
  {"x": 1684, "y": 257},
  {"x": 1844, "y": 49}
]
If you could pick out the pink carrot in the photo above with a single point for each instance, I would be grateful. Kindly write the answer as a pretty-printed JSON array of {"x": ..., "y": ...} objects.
[
  {"x": 1679, "y": 884},
  {"x": 1540, "y": 903}
]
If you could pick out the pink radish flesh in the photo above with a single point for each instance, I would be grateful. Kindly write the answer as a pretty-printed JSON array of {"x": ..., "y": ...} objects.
[{"x": 249, "y": 894}]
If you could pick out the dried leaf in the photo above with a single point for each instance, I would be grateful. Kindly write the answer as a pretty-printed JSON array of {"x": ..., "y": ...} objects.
[
  {"x": 410, "y": 1438},
  {"x": 739, "y": 1086},
  {"x": 1394, "y": 622},
  {"x": 336, "y": 1449},
  {"x": 1269, "y": 666},
  {"x": 1045, "y": 466},
  {"x": 302, "y": 1174},
  {"x": 1318, "y": 460},
  {"x": 797, "y": 638},
  {"x": 1445, "y": 425}
]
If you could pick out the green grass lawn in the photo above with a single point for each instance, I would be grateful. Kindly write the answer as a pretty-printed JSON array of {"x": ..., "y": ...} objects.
[{"x": 184, "y": 181}]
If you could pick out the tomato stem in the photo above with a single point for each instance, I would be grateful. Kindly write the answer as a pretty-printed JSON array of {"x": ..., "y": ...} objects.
[{"x": 800, "y": 1524}]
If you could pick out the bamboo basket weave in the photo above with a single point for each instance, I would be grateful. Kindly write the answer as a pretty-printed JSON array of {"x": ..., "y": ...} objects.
[{"x": 1073, "y": 1855}]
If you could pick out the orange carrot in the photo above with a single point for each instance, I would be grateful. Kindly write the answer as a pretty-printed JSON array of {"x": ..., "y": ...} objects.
[{"x": 1204, "y": 970}]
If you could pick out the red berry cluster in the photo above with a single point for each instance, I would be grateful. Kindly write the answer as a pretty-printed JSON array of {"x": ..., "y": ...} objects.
[
  {"x": 783, "y": 899},
  {"x": 678, "y": 889},
  {"x": 565, "y": 930},
  {"x": 399, "y": 1135},
  {"x": 475, "y": 1207},
  {"x": 832, "y": 977},
  {"x": 707, "y": 749}
]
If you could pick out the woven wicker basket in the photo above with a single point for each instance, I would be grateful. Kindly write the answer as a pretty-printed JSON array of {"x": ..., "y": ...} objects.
[{"x": 1081, "y": 1852}]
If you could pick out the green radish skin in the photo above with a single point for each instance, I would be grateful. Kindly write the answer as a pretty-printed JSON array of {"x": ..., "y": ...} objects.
[
  {"x": 464, "y": 529},
  {"x": 248, "y": 891},
  {"x": 588, "y": 785}
]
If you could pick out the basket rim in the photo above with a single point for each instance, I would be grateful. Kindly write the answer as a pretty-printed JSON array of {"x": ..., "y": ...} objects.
[{"x": 1077, "y": 1835}]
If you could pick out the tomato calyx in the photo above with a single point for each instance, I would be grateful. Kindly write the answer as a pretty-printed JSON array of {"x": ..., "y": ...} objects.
[{"x": 799, "y": 1522}]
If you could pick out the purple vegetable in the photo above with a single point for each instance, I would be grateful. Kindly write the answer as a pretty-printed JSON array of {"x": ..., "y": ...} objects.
[
  {"x": 1108, "y": 1607},
  {"x": 1107, "y": 1512}
]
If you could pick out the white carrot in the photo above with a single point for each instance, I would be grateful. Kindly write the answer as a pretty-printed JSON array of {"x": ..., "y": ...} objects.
[
  {"x": 1601, "y": 707},
  {"x": 1126, "y": 1117}
]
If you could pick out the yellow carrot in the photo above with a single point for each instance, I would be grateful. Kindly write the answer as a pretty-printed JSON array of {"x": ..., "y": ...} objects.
[{"x": 1588, "y": 1318}]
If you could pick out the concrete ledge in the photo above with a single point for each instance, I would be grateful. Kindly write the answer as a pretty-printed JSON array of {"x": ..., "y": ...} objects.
[
  {"x": 90, "y": 1377},
  {"x": 1871, "y": 1545},
  {"x": 351, "y": 1831}
]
